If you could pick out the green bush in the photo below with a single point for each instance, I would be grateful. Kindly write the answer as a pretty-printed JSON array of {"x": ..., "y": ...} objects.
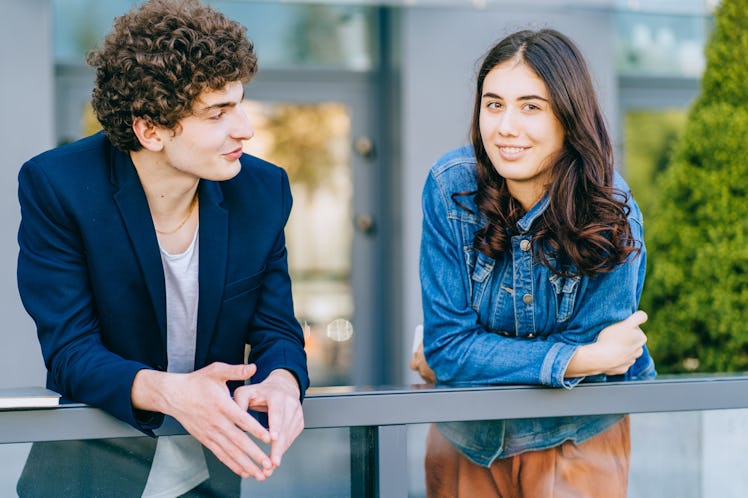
[
  {"x": 697, "y": 233},
  {"x": 650, "y": 137}
]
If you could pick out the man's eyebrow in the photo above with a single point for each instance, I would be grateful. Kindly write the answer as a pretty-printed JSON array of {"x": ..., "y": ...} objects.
[{"x": 219, "y": 105}]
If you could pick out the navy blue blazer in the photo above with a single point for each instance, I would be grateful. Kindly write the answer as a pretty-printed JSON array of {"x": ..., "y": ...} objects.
[{"x": 90, "y": 274}]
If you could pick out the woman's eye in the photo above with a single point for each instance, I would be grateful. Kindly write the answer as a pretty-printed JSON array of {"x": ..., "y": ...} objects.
[{"x": 494, "y": 105}]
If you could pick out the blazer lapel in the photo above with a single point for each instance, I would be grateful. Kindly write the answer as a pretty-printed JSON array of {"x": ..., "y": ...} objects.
[
  {"x": 133, "y": 207},
  {"x": 214, "y": 233}
]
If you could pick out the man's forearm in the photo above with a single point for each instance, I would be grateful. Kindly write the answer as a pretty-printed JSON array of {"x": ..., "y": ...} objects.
[{"x": 148, "y": 390}]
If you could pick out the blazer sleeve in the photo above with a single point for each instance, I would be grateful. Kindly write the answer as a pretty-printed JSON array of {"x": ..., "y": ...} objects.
[
  {"x": 274, "y": 335},
  {"x": 54, "y": 285}
]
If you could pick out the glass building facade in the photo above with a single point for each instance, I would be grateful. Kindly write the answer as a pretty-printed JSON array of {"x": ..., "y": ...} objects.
[{"x": 346, "y": 101}]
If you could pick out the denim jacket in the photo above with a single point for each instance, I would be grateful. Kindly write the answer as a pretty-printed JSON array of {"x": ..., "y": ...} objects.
[{"x": 512, "y": 320}]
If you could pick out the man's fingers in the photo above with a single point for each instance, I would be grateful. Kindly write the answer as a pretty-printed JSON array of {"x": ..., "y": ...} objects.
[
  {"x": 282, "y": 439},
  {"x": 253, "y": 427},
  {"x": 233, "y": 447},
  {"x": 206, "y": 410},
  {"x": 278, "y": 395},
  {"x": 286, "y": 421},
  {"x": 240, "y": 454},
  {"x": 278, "y": 450},
  {"x": 225, "y": 372},
  {"x": 249, "y": 398},
  {"x": 243, "y": 398},
  {"x": 235, "y": 466}
]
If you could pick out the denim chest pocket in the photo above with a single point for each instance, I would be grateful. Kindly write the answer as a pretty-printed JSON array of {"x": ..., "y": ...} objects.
[
  {"x": 565, "y": 290},
  {"x": 479, "y": 277}
]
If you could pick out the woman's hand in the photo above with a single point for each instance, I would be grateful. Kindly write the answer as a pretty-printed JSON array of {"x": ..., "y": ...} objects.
[
  {"x": 616, "y": 349},
  {"x": 418, "y": 363}
]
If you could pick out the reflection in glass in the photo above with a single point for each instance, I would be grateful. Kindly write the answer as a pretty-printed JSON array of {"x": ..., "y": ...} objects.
[
  {"x": 121, "y": 467},
  {"x": 340, "y": 330},
  {"x": 318, "y": 464},
  {"x": 660, "y": 45},
  {"x": 683, "y": 454},
  {"x": 285, "y": 34},
  {"x": 12, "y": 459},
  {"x": 312, "y": 142}
]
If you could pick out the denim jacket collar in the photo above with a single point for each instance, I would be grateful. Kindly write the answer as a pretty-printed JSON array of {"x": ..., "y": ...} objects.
[{"x": 529, "y": 218}]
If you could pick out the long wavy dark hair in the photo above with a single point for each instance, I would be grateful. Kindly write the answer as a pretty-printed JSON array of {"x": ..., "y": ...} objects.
[{"x": 584, "y": 230}]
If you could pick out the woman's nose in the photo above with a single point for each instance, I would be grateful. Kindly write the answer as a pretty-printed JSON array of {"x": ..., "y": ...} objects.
[{"x": 507, "y": 125}]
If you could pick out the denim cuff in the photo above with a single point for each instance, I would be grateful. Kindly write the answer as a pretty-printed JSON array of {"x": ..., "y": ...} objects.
[{"x": 555, "y": 364}]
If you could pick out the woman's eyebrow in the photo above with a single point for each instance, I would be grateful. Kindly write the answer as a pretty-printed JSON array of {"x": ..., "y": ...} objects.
[{"x": 491, "y": 95}]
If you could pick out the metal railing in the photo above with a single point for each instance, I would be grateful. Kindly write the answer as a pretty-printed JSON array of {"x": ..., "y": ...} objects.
[{"x": 378, "y": 417}]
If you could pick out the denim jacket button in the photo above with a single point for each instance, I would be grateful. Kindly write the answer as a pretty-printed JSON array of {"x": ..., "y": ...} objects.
[
  {"x": 527, "y": 299},
  {"x": 525, "y": 245},
  {"x": 530, "y": 336}
]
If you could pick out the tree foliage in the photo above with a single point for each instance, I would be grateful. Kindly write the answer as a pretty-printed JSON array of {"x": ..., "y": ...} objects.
[{"x": 697, "y": 234}]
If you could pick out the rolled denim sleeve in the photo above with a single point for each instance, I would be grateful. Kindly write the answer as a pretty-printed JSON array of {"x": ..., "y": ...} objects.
[{"x": 456, "y": 346}]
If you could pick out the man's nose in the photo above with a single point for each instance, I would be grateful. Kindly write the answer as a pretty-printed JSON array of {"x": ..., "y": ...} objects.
[{"x": 242, "y": 126}]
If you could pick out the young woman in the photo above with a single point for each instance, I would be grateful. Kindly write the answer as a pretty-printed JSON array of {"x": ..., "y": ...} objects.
[{"x": 532, "y": 264}]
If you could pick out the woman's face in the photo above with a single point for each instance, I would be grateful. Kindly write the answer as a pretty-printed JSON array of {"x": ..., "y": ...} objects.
[{"x": 520, "y": 132}]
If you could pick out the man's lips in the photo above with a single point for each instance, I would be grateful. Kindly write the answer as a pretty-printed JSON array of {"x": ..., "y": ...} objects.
[{"x": 234, "y": 154}]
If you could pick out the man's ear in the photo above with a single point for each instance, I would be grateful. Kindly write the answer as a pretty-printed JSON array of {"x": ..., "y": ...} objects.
[{"x": 148, "y": 134}]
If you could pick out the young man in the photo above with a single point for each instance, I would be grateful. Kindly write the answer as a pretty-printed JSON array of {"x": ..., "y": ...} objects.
[{"x": 152, "y": 253}]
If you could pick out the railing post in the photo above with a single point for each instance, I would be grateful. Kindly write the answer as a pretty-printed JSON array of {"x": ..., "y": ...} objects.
[
  {"x": 363, "y": 461},
  {"x": 379, "y": 463},
  {"x": 392, "y": 468}
]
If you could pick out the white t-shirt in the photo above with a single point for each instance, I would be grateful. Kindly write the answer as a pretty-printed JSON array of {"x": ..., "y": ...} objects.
[{"x": 179, "y": 463}]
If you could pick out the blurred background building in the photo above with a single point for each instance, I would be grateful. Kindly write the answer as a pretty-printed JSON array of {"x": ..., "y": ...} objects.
[{"x": 356, "y": 100}]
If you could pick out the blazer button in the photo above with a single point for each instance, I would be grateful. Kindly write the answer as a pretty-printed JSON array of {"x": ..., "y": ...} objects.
[
  {"x": 525, "y": 245},
  {"x": 527, "y": 299}
]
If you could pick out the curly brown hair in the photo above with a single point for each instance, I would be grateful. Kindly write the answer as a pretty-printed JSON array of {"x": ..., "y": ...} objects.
[
  {"x": 157, "y": 61},
  {"x": 585, "y": 229}
]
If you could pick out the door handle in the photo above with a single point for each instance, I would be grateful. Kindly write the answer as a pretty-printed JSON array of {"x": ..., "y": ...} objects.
[
  {"x": 365, "y": 223},
  {"x": 364, "y": 147}
]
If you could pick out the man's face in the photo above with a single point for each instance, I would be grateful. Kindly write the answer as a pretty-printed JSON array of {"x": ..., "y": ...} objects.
[{"x": 208, "y": 143}]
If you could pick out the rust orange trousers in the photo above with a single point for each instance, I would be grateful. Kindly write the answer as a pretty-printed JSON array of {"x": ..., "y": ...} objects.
[{"x": 597, "y": 468}]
